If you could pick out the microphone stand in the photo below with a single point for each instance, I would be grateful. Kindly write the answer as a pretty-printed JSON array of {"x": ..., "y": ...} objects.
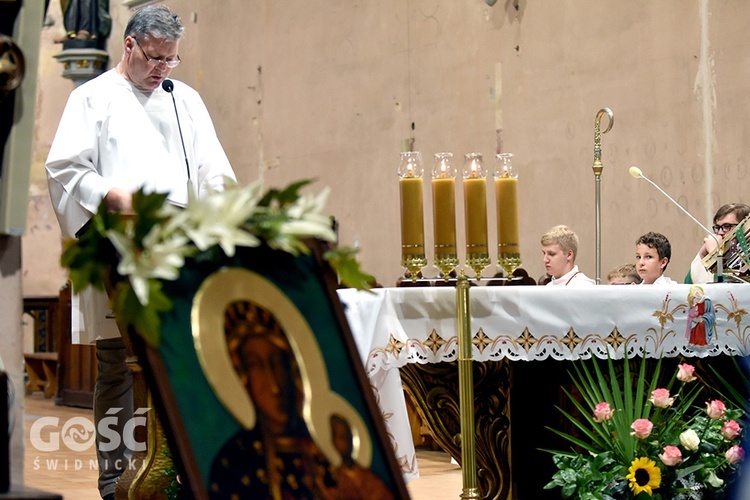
[
  {"x": 636, "y": 172},
  {"x": 168, "y": 87}
]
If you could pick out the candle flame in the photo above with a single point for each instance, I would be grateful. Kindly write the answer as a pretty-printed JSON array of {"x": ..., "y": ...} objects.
[{"x": 443, "y": 169}]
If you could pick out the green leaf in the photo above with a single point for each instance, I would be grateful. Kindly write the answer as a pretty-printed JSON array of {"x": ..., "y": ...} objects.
[
  {"x": 602, "y": 431},
  {"x": 568, "y": 490},
  {"x": 343, "y": 261},
  {"x": 738, "y": 397},
  {"x": 585, "y": 384},
  {"x": 286, "y": 196},
  {"x": 147, "y": 206},
  {"x": 583, "y": 444},
  {"x": 621, "y": 401},
  {"x": 91, "y": 257},
  {"x": 143, "y": 319}
]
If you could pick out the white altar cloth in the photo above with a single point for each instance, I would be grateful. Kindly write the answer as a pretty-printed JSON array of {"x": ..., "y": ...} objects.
[{"x": 396, "y": 326}]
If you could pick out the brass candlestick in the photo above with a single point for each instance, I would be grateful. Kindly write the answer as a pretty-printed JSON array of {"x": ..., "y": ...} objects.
[
  {"x": 466, "y": 389},
  {"x": 446, "y": 260}
]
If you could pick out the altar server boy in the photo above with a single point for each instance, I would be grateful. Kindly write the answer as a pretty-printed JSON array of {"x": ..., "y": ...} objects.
[{"x": 559, "y": 249}]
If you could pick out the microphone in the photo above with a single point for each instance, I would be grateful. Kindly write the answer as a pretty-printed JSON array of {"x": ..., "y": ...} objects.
[
  {"x": 168, "y": 87},
  {"x": 636, "y": 172}
]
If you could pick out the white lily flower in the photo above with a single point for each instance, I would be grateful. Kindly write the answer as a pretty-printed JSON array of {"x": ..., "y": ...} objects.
[
  {"x": 159, "y": 259},
  {"x": 227, "y": 218},
  {"x": 218, "y": 219},
  {"x": 307, "y": 204},
  {"x": 163, "y": 258},
  {"x": 309, "y": 228},
  {"x": 284, "y": 243},
  {"x": 123, "y": 243},
  {"x": 715, "y": 480},
  {"x": 308, "y": 219}
]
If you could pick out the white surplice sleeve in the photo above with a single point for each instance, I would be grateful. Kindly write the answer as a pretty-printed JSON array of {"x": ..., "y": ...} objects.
[
  {"x": 698, "y": 273},
  {"x": 210, "y": 160},
  {"x": 75, "y": 184}
]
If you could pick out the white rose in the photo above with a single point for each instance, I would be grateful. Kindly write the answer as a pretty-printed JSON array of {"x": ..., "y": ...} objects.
[{"x": 690, "y": 440}]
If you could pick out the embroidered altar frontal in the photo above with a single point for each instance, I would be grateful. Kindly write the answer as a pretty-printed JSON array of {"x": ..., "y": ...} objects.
[{"x": 418, "y": 325}]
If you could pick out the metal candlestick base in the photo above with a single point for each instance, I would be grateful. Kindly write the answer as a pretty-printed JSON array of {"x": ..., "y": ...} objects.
[
  {"x": 446, "y": 263},
  {"x": 414, "y": 264},
  {"x": 509, "y": 262},
  {"x": 478, "y": 262}
]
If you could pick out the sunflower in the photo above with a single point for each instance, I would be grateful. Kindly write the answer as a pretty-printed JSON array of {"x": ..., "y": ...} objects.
[{"x": 644, "y": 475}]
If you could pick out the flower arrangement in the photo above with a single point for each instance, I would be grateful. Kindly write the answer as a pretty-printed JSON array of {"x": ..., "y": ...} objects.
[
  {"x": 131, "y": 254},
  {"x": 647, "y": 441}
]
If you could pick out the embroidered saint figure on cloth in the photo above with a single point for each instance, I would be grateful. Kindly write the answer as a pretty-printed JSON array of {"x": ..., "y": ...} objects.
[{"x": 701, "y": 318}]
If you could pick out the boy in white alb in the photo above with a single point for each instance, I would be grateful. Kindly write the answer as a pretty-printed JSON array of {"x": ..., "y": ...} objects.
[
  {"x": 559, "y": 249},
  {"x": 652, "y": 254}
]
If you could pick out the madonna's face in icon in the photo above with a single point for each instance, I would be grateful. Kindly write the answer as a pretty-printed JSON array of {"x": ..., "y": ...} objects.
[{"x": 268, "y": 381}]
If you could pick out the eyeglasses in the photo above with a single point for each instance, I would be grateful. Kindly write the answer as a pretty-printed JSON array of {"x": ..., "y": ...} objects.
[
  {"x": 724, "y": 227},
  {"x": 155, "y": 61}
]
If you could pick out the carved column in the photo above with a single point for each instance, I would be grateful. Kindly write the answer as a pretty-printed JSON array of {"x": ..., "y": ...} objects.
[{"x": 434, "y": 390}]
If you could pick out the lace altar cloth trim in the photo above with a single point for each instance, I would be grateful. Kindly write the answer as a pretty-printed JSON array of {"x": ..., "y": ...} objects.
[{"x": 412, "y": 325}]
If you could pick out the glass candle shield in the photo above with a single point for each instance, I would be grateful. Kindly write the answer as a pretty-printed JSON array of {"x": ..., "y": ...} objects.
[
  {"x": 444, "y": 213},
  {"x": 506, "y": 200},
  {"x": 410, "y": 173},
  {"x": 475, "y": 206}
]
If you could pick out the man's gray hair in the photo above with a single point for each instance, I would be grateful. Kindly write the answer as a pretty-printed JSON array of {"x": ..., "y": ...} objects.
[{"x": 155, "y": 21}]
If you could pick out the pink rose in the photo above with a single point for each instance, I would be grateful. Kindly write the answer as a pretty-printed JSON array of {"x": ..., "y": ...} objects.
[
  {"x": 730, "y": 429},
  {"x": 641, "y": 428},
  {"x": 715, "y": 409},
  {"x": 685, "y": 372},
  {"x": 603, "y": 412},
  {"x": 660, "y": 398},
  {"x": 671, "y": 456},
  {"x": 735, "y": 454}
]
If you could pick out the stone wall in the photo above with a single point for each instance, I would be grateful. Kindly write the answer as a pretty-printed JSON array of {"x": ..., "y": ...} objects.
[{"x": 329, "y": 90}]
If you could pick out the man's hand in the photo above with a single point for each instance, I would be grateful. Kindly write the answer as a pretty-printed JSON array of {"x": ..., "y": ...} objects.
[
  {"x": 119, "y": 200},
  {"x": 709, "y": 245}
]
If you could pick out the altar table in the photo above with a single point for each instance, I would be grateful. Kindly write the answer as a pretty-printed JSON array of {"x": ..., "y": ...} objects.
[{"x": 398, "y": 327}]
